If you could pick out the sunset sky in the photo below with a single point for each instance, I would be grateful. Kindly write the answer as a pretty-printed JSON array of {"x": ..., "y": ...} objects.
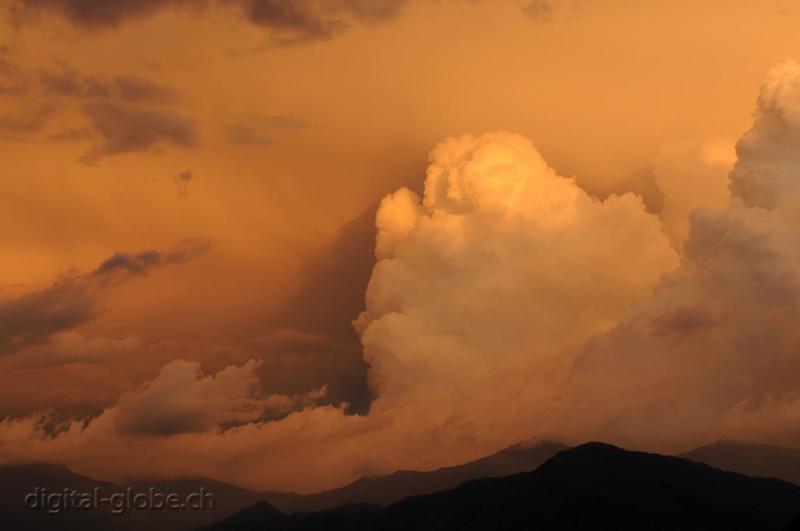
[{"x": 578, "y": 220}]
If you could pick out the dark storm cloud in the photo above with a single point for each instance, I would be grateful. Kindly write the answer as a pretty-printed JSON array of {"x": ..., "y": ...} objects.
[
  {"x": 71, "y": 301},
  {"x": 96, "y": 13},
  {"x": 262, "y": 130},
  {"x": 291, "y": 21},
  {"x": 125, "y": 128}
]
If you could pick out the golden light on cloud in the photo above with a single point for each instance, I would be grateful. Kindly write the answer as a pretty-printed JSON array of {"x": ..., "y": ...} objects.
[{"x": 224, "y": 253}]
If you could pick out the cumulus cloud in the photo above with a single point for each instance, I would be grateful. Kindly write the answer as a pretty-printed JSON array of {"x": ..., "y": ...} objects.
[
  {"x": 713, "y": 353},
  {"x": 691, "y": 175},
  {"x": 71, "y": 301},
  {"x": 507, "y": 304},
  {"x": 499, "y": 273},
  {"x": 768, "y": 164}
]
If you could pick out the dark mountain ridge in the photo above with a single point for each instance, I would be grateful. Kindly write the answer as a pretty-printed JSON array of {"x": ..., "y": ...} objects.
[{"x": 593, "y": 487}]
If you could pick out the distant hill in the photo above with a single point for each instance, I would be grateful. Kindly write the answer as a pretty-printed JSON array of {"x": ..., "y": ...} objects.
[
  {"x": 18, "y": 480},
  {"x": 385, "y": 490},
  {"x": 758, "y": 460},
  {"x": 593, "y": 487}
]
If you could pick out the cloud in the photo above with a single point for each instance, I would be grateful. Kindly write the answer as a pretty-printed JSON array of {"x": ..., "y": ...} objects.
[
  {"x": 548, "y": 10},
  {"x": 500, "y": 273},
  {"x": 287, "y": 21},
  {"x": 96, "y": 13},
  {"x": 68, "y": 82},
  {"x": 26, "y": 121},
  {"x": 298, "y": 21},
  {"x": 137, "y": 89},
  {"x": 507, "y": 304},
  {"x": 180, "y": 400},
  {"x": 71, "y": 347},
  {"x": 768, "y": 164},
  {"x": 262, "y": 130},
  {"x": 71, "y": 301},
  {"x": 711, "y": 355},
  {"x": 127, "y": 128},
  {"x": 127, "y": 113},
  {"x": 140, "y": 263},
  {"x": 691, "y": 175},
  {"x": 13, "y": 81},
  {"x": 35, "y": 316}
]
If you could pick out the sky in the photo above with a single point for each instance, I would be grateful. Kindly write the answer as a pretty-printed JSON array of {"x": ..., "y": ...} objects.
[{"x": 290, "y": 243}]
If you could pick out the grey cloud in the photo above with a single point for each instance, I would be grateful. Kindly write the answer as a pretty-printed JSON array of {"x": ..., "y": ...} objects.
[
  {"x": 262, "y": 130},
  {"x": 35, "y": 316},
  {"x": 140, "y": 263},
  {"x": 137, "y": 89},
  {"x": 289, "y": 21},
  {"x": 26, "y": 121},
  {"x": 13, "y": 81},
  {"x": 67, "y": 82},
  {"x": 71, "y": 301},
  {"x": 767, "y": 171},
  {"x": 125, "y": 128},
  {"x": 307, "y": 20},
  {"x": 682, "y": 321},
  {"x": 548, "y": 10},
  {"x": 96, "y": 13},
  {"x": 132, "y": 89}
]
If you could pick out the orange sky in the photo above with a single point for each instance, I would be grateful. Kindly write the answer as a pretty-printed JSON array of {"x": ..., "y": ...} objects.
[{"x": 257, "y": 132}]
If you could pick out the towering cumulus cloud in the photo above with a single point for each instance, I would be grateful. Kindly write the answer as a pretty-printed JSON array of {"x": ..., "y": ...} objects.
[
  {"x": 486, "y": 287},
  {"x": 716, "y": 351},
  {"x": 507, "y": 304}
]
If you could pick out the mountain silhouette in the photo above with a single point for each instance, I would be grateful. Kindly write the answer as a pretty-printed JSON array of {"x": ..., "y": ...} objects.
[
  {"x": 595, "y": 487},
  {"x": 18, "y": 480},
  {"x": 385, "y": 490},
  {"x": 759, "y": 460}
]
